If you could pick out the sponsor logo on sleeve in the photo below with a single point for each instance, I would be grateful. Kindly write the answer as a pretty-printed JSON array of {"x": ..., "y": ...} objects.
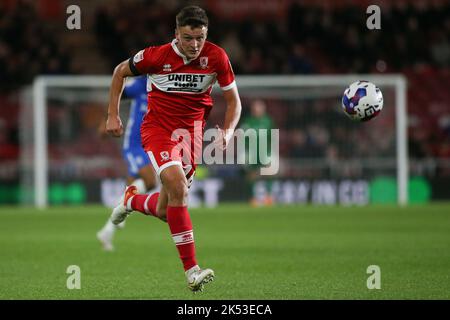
[{"x": 138, "y": 57}]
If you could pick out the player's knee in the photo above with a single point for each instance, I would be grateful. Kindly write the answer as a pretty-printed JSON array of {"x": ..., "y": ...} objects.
[
  {"x": 162, "y": 214},
  {"x": 179, "y": 190},
  {"x": 175, "y": 184},
  {"x": 150, "y": 182}
]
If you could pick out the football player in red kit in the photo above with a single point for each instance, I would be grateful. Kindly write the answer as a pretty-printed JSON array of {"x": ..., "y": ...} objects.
[{"x": 180, "y": 79}]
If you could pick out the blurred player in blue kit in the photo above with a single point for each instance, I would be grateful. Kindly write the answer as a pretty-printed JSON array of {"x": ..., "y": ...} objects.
[{"x": 140, "y": 173}]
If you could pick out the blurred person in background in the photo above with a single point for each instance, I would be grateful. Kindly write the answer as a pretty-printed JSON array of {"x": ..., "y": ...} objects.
[
  {"x": 140, "y": 172},
  {"x": 257, "y": 120}
]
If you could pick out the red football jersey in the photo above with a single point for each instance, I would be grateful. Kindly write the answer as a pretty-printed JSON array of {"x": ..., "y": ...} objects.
[{"x": 179, "y": 90}]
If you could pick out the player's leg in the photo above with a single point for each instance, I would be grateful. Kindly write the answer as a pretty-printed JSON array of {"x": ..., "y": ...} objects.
[
  {"x": 106, "y": 234},
  {"x": 176, "y": 185},
  {"x": 145, "y": 203},
  {"x": 133, "y": 198},
  {"x": 160, "y": 199},
  {"x": 154, "y": 204},
  {"x": 148, "y": 176},
  {"x": 138, "y": 182},
  {"x": 140, "y": 175},
  {"x": 163, "y": 200},
  {"x": 161, "y": 206}
]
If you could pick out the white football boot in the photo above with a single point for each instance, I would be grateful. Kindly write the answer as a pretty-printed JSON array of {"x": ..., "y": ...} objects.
[
  {"x": 121, "y": 212},
  {"x": 105, "y": 238},
  {"x": 197, "y": 277}
]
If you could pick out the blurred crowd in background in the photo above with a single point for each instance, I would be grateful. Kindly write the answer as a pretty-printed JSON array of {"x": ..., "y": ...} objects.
[
  {"x": 308, "y": 39},
  {"x": 28, "y": 46},
  {"x": 299, "y": 37}
]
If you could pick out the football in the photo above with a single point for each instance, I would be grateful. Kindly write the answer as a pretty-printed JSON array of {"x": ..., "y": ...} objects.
[{"x": 362, "y": 101}]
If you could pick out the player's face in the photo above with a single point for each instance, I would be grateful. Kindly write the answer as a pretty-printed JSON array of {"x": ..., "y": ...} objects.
[{"x": 191, "y": 40}]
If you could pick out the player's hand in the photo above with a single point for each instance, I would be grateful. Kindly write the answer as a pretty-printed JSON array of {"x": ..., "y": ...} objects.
[
  {"x": 101, "y": 130},
  {"x": 224, "y": 137},
  {"x": 114, "y": 126}
]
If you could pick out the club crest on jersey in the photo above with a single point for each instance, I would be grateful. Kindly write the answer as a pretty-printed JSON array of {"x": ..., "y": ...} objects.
[
  {"x": 164, "y": 155},
  {"x": 167, "y": 67},
  {"x": 203, "y": 62}
]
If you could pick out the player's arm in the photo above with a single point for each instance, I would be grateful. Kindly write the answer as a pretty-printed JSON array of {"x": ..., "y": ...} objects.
[
  {"x": 114, "y": 123},
  {"x": 225, "y": 78},
  {"x": 232, "y": 115}
]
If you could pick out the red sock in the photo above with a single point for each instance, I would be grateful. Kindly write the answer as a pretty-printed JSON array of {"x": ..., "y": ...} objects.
[
  {"x": 145, "y": 203},
  {"x": 181, "y": 229}
]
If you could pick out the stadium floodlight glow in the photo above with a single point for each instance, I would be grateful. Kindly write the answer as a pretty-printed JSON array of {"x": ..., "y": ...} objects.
[{"x": 42, "y": 84}]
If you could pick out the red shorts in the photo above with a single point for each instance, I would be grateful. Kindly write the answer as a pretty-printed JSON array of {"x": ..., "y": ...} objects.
[{"x": 165, "y": 151}]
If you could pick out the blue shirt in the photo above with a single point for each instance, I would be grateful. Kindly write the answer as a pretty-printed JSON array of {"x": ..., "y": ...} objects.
[{"x": 136, "y": 89}]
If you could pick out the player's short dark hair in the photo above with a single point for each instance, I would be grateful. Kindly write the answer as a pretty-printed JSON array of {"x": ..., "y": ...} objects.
[{"x": 193, "y": 16}]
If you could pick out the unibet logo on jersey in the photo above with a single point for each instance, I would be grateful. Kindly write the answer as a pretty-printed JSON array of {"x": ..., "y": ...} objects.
[{"x": 182, "y": 82}]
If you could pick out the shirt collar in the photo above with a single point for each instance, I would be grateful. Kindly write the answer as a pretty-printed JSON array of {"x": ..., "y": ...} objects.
[{"x": 177, "y": 51}]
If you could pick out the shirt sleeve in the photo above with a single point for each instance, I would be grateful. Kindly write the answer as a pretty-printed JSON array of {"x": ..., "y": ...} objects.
[
  {"x": 225, "y": 74},
  {"x": 142, "y": 62}
]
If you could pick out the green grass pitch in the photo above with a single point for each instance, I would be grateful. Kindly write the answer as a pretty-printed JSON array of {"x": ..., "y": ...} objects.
[{"x": 291, "y": 252}]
